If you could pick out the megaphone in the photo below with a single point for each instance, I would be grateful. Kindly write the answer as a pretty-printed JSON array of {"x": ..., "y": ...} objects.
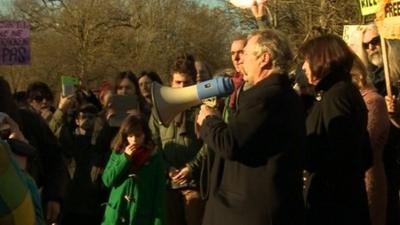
[{"x": 169, "y": 102}]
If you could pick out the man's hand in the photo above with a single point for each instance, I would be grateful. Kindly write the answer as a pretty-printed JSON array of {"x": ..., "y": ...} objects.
[
  {"x": 204, "y": 112},
  {"x": 52, "y": 212},
  {"x": 258, "y": 8},
  {"x": 391, "y": 105},
  {"x": 182, "y": 175}
]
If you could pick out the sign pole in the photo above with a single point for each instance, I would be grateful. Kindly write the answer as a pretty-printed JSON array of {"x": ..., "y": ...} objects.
[{"x": 386, "y": 67}]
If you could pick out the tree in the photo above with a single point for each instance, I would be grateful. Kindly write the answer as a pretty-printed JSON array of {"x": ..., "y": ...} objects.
[
  {"x": 93, "y": 39},
  {"x": 302, "y": 19}
]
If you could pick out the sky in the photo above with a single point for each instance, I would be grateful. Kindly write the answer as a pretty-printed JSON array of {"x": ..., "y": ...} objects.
[{"x": 211, "y": 3}]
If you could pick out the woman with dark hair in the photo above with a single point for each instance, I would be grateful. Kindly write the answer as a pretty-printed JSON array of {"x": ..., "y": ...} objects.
[
  {"x": 145, "y": 79},
  {"x": 203, "y": 70},
  {"x": 41, "y": 99},
  {"x": 339, "y": 151},
  {"x": 136, "y": 174},
  {"x": 125, "y": 84}
]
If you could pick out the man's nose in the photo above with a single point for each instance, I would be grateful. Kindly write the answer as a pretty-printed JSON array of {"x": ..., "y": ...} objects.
[
  {"x": 240, "y": 60},
  {"x": 371, "y": 46},
  {"x": 237, "y": 56}
]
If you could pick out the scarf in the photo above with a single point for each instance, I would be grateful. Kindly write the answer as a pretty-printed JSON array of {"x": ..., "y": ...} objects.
[
  {"x": 140, "y": 158},
  {"x": 237, "y": 82}
]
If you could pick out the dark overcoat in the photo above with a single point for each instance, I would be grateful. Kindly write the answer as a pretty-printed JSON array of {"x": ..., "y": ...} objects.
[
  {"x": 338, "y": 154},
  {"x": 256, "y": 177}
]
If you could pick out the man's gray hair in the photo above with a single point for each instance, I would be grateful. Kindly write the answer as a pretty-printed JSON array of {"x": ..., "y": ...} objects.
[{"x": 277, "y": 46}]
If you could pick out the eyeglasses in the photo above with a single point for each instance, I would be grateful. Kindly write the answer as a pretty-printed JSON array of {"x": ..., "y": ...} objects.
[{"x": 374, "y": 42}]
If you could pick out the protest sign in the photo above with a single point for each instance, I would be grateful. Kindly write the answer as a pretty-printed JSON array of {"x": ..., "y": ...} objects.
[
  {"x": 388, "y": 19},
  {"x": 369, "y": 6},
  {"x": 121, "y": 106},
  {"x": 388, "y": 23},
  {"x": 350, "y": 33},
  {"x": 14, "y": 42}
]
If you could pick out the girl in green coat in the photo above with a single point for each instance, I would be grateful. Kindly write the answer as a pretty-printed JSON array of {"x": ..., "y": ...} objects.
[{"x": 136, "y": 174}]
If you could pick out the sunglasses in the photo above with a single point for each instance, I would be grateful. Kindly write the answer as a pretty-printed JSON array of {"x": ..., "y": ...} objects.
[
  {"x": 40, "y": 98},
  {"x": 374, "y": 42}
]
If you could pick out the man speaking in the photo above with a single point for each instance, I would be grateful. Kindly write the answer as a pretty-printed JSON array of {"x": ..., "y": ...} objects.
[{"x": 259, "y": 180}]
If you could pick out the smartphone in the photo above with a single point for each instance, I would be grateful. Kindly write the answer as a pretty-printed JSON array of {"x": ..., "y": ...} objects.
[{"x": 69, "y": 85}]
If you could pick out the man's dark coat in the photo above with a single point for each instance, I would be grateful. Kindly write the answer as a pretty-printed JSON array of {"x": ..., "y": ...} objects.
[{"x": 257, "y": 176}]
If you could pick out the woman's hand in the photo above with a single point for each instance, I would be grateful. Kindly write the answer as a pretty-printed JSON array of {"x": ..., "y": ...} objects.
[{"x": 130, "y": 150}]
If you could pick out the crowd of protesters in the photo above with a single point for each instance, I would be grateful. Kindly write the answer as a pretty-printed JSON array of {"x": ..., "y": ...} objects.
[{"x": 317, "y": 145}]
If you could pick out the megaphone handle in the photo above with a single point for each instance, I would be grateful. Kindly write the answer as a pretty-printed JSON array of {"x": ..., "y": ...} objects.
[{"x": 210, "y": 102}]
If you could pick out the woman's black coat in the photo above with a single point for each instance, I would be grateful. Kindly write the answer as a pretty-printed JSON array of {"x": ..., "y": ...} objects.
[{"x": 338, "y": 154}]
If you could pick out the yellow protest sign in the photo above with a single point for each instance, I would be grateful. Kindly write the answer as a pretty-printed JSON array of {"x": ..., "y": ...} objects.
[
  {"x": 369, "y": 6},
  {"x": 388, "y": 19}
]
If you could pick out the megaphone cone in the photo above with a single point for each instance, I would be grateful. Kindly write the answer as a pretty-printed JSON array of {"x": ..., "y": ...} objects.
[{"x": 169, "y": 102}]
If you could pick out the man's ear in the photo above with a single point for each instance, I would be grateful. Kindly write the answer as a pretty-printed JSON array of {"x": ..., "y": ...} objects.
[{"x": 265, "y": 60}]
